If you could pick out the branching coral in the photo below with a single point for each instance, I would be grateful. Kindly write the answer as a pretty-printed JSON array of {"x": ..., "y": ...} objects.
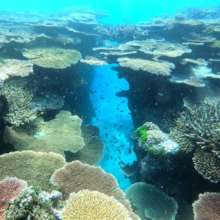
[
  {"x": 207, "y": 207},
  {"x": 208, "y": 165},
  {"x": 18, "y": 96},
  {"x": 198, "y": 127},
  {"x": 31, "y": 204},
  {"x": 87, "y": 205},
  {"x": 198, "y": 130},
  {"x": 10, "y": 188},
  {"x": 34, "y": 167}
]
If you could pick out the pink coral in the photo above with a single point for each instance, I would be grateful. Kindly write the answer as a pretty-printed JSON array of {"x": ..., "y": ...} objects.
[
  {"x": 10, "y": 188},
  {"x": 207, "y": 207}
]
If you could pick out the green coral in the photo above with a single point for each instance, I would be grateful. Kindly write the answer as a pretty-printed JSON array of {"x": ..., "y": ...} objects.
[
  {"x": 142, "y": 134},
  {"x": 31, "y": 204}
]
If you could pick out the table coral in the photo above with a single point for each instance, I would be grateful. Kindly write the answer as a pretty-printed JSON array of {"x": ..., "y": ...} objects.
[
  {"x": 63, "y": 133},
  {"x": 55, "y": 58},
  {"x": 34, "y": 167},
  {"x": 87, "y": 205}
]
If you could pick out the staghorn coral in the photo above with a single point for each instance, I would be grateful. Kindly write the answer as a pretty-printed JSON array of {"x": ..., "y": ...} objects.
[
  {"x": 198, "y": 127},
  {"x": 207, "y": 207},
  {"x": 34, "y": 167},
  {"x": 151, "y": 203},
  {"x": 18, "y": 96},
  {"x": 208, "y": 165},
  {"x": 55, "y": 58},
  {"x": 33, "y": 204},
  {"x": 10, "y": 188},
  {"x": 57, "y": 135},
  {"x": 197, "y": 131},
  {"x": 157, "y": 68},
  {"x": 87, "y": 205}
]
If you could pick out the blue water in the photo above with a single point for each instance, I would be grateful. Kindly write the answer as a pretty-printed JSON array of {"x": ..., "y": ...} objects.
[
  {"x": 113, "y": 117},
  {"x": 121, "y": 11}
]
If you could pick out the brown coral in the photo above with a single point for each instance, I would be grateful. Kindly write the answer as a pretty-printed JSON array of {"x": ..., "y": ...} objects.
[
  {"x": 87, "y": 205},
  {"x": 207, "y": 207},
  {"x": 34, "y": 167},
  {"x": 76, "y": 176},
  {"x": 10, "y": 188}
]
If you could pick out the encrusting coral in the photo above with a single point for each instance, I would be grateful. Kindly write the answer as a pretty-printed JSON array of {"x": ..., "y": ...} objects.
[
  {"x": 63, "y": 133},
  {"x": 87, "y": 205},
  {"x": 10, "y": 189},
  {"x": 34, "y": 167},
  {"x": 55, "y": 58},
  {"x": 207, "y": 207}
]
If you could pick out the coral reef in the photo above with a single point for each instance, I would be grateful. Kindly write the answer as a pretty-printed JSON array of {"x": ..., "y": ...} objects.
[
  {"x": 207, "y": 206},
  {"x": 32, "y": 204},
  {"x": 55, "y": 58},
  {"x": 89, "y": 205},
  {"x": 57, "y": 135},
  {"x": 10, "y": 189},
  {"x": 34, "y": 167},
  {"x": 150, "y": 202}
]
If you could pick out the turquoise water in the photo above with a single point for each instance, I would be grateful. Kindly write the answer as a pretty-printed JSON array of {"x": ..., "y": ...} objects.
[
  {"x": 121, "y": 11},
  {"x": 113, "y": 118}
]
